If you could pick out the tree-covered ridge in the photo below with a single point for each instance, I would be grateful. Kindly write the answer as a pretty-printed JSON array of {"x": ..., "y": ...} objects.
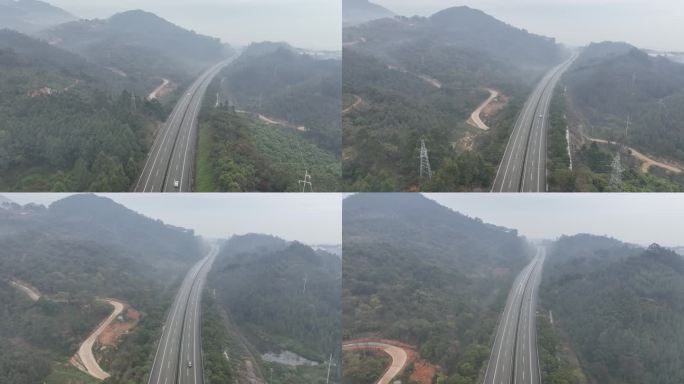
[
  {"x": 139, "y": 44},
  {"x": 613, "y": 82},
  {"x": 420, "y": 78},
  {"x": 282, "y": 83},
  {"x": 78, "y": 249},
  {"x": 64, "y": 128},
  {"x": 621, "y": 306},
  {"x": 284, "y": 296},
  {"x": 420, "y": 273}
]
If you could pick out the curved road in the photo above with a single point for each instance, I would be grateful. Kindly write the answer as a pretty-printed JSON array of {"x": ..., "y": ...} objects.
[
  {"x": 398, "y": 355},
  {"x": 475, "y": 119},
  {"x": 171, "y": 158},
  {"x": 523, "y": 167},
  {"x": 179, "y": 354},
  {"x": 514, "y": 356},
  {"x": 85, "y": 352}
]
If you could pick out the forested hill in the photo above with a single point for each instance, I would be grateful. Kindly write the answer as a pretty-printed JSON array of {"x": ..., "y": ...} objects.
[
  {"x": 361, "y": 11},
  {"x": 613, "y": 82},
  {"x": 80, "y": 248},
  {"x": 30, "y": 16},
  {"x": 68, "y": 124},
  {"x": 420, "y": 78},
  {"x": 282, "y": 295},
  {"x": 452, "y": 43},
  {"x": 621, "y": 308},
  {"x": 139, "y": 43},
  {"x": 421, "y": 273},
  {"x": 282, "y": 83}
]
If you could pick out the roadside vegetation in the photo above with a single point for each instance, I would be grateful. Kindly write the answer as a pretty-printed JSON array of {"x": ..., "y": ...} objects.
[
  {"x": 555, "y": 365},
  {"x": 239, "y": 154},
  {"x": 282, "y": 316},
  {"x": 215, "y": 340},
  {"x": 621, "y": 307},
  {"x": 364, "y": 367},
  {"x": 594, "y": 164}
]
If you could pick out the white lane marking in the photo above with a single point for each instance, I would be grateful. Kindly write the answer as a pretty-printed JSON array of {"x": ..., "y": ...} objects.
[{"x": 168, "y": 128}]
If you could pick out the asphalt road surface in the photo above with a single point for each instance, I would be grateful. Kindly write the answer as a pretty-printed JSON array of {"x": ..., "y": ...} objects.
[
  {"x": 523, "y": 167},
  {"x": 514, "y": 356},
  {"x": 172, "y": 156},
  {"x": 179, "y": 354}
]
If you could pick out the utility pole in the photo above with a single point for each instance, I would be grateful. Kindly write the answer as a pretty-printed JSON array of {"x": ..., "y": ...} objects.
[
  {"x": 627, "y": 125},
  {"x": 424, "y": 161},
  {"x": 306, "y": 181},
  {"x": 305, "y": 278},
  {"x": 327, "y": 380}
]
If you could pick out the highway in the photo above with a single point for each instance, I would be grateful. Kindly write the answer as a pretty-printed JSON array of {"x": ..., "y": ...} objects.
[
  {"x": 514, "y": 359},
  {"x": 181, "y": 343},
  {"x": 523, "y": 167},
  {"x": 171, "y": 159}
]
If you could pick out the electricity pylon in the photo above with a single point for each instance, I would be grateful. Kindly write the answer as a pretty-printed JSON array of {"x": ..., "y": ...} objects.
[{"x": 424, "y": 161}]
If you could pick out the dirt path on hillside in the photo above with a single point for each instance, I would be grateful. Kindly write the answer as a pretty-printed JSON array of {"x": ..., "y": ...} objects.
[
  {"x": 647, "y": 162},
  {"x": 273, "y": 120},
  {"x": 161, "y": 90},
  {"x": 30, "y": 291},
  {"x": 475, "y": 118},
  {"x": 399, "y": 357},
  {"x": 430, "y": 80},
  {"x": 84, "y": 358},
  {"x": 357, "y": 101}
]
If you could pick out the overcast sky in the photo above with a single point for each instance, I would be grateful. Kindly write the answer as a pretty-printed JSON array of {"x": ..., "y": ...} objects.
[
  {"x": 655, "y": 24},
  {"x": 631, "y": 217},
  {"x": 312, "y": 24},
  {"x": 308, "y": 218}
]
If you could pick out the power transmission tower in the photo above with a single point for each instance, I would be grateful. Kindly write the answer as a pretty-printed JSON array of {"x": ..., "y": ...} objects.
[
  {"x": 424, "y": 161},
  {"x": 615, "y": 182},
  {"x": 306, "y": 181},
  {"x": 627, "y": 125}
]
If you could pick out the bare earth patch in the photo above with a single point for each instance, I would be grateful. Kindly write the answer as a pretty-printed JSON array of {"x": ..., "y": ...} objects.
[{"x": 402, "y": 355}]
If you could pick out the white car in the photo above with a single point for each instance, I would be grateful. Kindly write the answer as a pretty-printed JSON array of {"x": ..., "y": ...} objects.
[
  {"x": 189, "y": 364},
  {"x": 176, "y": 184},
  {"x": 540, "y": 116}
]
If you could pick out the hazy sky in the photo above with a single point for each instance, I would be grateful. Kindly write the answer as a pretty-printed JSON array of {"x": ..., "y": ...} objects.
[
  {"x": 312, "y": 24},
  {"x": 655, "y": 24},
  {"x": 308, "y": 218},
  {"x": 632, "y": 217}
]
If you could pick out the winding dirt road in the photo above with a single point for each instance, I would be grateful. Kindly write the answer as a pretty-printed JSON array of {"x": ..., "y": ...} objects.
[
  {"x": 156, "y": 93},
  {"x": 31, "y": 292},
  {"x": 475, "y": 119},
  {"x": 399, "y": 357},
  {"x": 647, "y": 162},
  {"x": 357, "y": 100},
  {"x": 85, "y": 360}
]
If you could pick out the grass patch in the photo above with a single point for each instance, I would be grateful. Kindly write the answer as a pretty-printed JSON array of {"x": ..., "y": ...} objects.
[
  {"x": 204, "y": 174},
  {"x": 64, "y": 373}
]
